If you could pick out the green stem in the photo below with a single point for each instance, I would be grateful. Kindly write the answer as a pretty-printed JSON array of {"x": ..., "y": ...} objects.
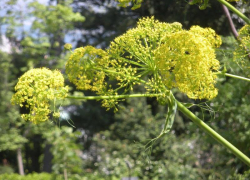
[
  {"x": 213, "y": 133},
  {"x": 113, "y": 97},
  {"x": 233, "y": 76},
  {"x": 131, "y": 62},
  {"x": 236, "y": 11}
]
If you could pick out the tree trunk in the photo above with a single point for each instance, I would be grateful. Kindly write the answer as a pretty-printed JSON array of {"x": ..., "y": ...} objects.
[
  {"x": 20, "y": 162},
  {"x": 47, "y": 165},
  {"x": 65, "y": 174}
]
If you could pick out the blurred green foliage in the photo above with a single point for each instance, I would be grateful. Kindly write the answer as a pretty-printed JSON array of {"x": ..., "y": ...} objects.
[
  {"x": 10, "y": 139},
  {"x": 122, "y": 147},
  {"x": 66, "y": 153},
  {"x": 6, "y": 170},
  {"x": 47, "y": 176}
]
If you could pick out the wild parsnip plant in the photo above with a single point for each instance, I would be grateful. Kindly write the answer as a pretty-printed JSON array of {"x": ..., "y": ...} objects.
[{"x": 156, "y": 55}]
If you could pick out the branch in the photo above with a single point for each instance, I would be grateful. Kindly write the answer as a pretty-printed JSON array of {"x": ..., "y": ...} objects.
[
  {"x": 113, "y": 97},
  {"x": 236, "y": 11},
  {"x": 235, "y": 33}
]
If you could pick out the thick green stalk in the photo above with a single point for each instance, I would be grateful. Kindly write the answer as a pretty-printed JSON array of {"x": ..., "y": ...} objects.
[
  {"x": 213, "y": 133},
  {"x": 112, "y": 97},
  {"x": 236, "y": 11}
]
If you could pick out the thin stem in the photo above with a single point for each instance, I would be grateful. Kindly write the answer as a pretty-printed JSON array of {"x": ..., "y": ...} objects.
[
  {"x": 233, "y": 29},
  {"x": 213, "y": 133},
  {"x": 236, "y": 11},
  {"x": 118, "y": 73},
  {"x": 237, "y": 77},
  {"x": 131, "y": 62},
  {"x": 233, "y": 76},
  {"x": 113, "y": 97}
]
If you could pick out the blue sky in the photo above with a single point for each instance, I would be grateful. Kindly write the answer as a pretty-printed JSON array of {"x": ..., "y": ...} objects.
[
  {"x": 27, "y": 22},
  {"x": 21, "y": 5}
]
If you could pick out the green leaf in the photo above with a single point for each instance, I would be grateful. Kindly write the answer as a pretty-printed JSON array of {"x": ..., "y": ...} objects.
[{"x": 172, "y": 107}]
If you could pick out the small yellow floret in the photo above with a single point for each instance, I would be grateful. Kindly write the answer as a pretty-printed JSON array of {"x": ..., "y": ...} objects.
[{"x": 68, "y": 46}]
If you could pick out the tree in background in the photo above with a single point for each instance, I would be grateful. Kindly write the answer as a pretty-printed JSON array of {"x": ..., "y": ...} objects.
[
  {"x": 66, "y": 153},
  {"x": 11, "y": 135},
  {"x": 41, "y": 44}
]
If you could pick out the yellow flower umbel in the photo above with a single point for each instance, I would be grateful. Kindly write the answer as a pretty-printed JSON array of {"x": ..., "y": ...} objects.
[
  {"x": 35, "y": 89},
  {"x": 133, "y": 53},
  {"x": 84, "y": 68},
  {"x": 88, "y": 69},
  {"x": 186, "y": 60}
]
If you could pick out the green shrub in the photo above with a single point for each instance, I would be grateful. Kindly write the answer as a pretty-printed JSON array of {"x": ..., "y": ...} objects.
[
  {"x": 47, "y": 176},
  {"x": 33, "y": 176},
  {"x": 6, "y": 169}
]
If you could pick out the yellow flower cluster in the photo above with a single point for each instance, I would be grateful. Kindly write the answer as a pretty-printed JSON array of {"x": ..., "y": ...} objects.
[
  {"x": 85, "y": 68},
  {"x": 186, "y": 60},
  {"x": 159, "y": 55},
  {"x": 35, "y": 89},
  {"x": 135, "y": 50},
  {"x": 209, "y": 35}
]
